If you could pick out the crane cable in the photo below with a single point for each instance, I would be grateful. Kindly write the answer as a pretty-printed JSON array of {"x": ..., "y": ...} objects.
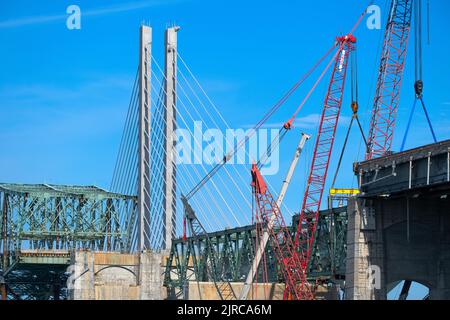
[
  {"x": 418, "y": 68},
  {"x": 270, "y": 113},
  {"x": 362, "y": 15},
  {"x": 354, "y": 106},
  {"x": 260, "y": 123}
]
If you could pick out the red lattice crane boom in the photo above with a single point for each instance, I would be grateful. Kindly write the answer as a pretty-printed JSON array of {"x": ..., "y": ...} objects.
[
  {"x": 292, "y": 257},
  {"x": 324, "y": 145},
  {"x": 297, "y": 286},
  {"x": 390, "y": 75}
]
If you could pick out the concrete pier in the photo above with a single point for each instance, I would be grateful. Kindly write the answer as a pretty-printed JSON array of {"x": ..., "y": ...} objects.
[
  {"x": 399, "y": 228},
  {"x": 115, "y": 276}
]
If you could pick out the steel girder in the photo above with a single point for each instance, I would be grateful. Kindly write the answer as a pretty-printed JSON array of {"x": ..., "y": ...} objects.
[
  {"x": 41, "y": 224},
  {"x": 236, "y": 250}
]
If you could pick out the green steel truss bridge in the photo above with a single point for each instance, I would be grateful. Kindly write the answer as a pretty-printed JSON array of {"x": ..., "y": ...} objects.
[
  {"x": 235, "y": 248},
  {"x": 42, "y": 224}
]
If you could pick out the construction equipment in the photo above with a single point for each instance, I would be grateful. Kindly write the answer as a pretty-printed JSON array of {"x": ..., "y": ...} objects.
[
  {"x": 293, "y": 257},
  {"x": 189, "y": 213},
  {"x": 297, "y": 286},
  {"x": 270, "y": 224},
  {"x": 342, "y": 195},
  {"x": 390, "y": 75},
  {"x": 306, "y": 228},
  {"x": 190, "y": 216},
  {"x": 292, "y": 265},
  {"x": 418, "y": 84}
]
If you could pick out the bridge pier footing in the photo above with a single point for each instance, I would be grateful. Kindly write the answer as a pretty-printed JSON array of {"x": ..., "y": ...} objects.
[
  {"x": 394, "y": 239},
  {"x": 115, "y": 276},
  {"x": 398, "y": 227}
]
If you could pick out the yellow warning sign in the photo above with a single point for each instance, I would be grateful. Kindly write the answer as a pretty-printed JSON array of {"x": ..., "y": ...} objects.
[{"x": 344, "y": 192}]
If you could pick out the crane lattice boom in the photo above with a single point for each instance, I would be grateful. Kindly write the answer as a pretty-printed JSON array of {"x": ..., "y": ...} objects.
[
  {"x": 297, "y": 286},
  {"x": 322, "y": 153},
  {"x": 390, "y": 75}
]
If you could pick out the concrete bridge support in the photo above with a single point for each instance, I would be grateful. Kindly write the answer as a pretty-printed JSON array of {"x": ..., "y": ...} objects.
[
  {"x": 383, "y": 237},
  {"x": 170, "y": 126},
  {"x": 400, "y": 231},
  {"x": 115, "y": 276}
]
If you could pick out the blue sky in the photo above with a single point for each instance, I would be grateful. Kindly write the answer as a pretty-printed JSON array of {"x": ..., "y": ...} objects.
[{"x": 64, "y": 93}]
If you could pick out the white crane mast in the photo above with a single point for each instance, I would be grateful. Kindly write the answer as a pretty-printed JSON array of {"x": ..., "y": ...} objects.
[{"x": 265, "y": 237}]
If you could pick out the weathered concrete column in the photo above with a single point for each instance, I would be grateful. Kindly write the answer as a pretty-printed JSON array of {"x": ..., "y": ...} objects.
[
  {"x": 116, "y": 276},
  {"x": 152, "y": 276},
  {"x": 81, "y": 283},
  {"x": 400, "y": 224},
  {"x": 441, "y": 290},
  {"x": 365, "y": 254},
  {"x": 144, "y": 137},
  {"x": 170, "y": 127}
]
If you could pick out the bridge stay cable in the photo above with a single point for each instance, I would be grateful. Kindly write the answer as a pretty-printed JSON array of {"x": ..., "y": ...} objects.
[
  {"x": 260, "y": 123},
  {"x": 218, "y": 190}
]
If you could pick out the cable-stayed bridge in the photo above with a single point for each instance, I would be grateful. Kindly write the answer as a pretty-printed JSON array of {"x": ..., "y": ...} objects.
[
  {"x": 195, "y": 204},
  {"x": 142, "y": 210}
]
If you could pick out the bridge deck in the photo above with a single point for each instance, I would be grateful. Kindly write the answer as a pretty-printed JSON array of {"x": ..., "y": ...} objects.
[{"x": 420, "y": 168}]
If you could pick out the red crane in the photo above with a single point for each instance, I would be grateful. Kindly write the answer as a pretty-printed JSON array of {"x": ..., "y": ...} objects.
[
  {"x": 324, "y": 145},
  {"x": 293, "y": 257},
  {"x": 390, "y": 75},
  {"x": 297, "y": 286}
]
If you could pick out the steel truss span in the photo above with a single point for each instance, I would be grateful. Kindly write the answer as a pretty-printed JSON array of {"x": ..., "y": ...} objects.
[
  {"x": 235, "y": 248},
  {"x": 42, "y": 224}
]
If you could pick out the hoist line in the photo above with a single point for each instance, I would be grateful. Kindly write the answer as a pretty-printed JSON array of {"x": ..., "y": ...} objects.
[
  {"x": 341, "y": 46},
  {"x": 418, "y": 39}
]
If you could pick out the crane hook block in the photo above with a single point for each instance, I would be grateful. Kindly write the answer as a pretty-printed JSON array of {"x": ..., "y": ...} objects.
[
  {"x": 355, "y": 107},
  {"x": 418, "y": 87}
]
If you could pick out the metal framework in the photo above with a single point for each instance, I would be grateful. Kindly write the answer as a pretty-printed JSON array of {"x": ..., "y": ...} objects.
[
  {"x": 307, "y": 224},
  {"x": 260, "y": 254},
  {"x": 41, "y": 224},
  {"x": 236, "y": 250},
  {"x": 390, "y": 77},
  {"x": 267, "y": 211}
]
